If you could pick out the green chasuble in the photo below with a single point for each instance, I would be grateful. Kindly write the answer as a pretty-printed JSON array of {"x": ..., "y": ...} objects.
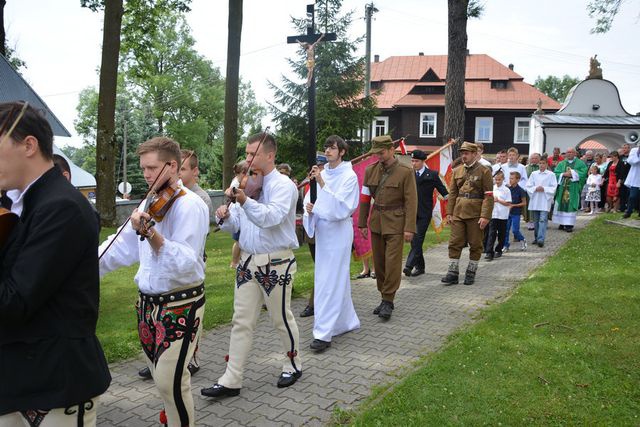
[{"x": 568, "y": 192}]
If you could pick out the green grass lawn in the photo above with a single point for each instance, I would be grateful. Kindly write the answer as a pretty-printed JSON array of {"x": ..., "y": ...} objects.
[
  {"x": 117, "y": 324},
  {"x": 564, "y": 349}
]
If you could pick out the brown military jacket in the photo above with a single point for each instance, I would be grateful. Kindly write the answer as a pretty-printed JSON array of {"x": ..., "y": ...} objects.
[
  {"x": 470, "y": 192},
  {"x": 396, "y": 203}
]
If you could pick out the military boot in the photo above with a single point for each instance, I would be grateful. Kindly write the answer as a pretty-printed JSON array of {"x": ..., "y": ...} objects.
[
  {"x": 451, "y": 278},
  {"x": 469, "y": 276}
]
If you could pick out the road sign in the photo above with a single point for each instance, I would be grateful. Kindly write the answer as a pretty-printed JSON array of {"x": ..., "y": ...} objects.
[{"x": 124, "y": 189}]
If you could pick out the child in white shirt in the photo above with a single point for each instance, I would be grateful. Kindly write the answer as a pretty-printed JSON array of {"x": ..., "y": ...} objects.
[
  {"x": 594, "y": 182},
  {"x": 499, "y": 217}
]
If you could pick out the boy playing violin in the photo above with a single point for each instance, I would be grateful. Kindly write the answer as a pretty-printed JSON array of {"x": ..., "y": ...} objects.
[{"x": 167, "y": 236}]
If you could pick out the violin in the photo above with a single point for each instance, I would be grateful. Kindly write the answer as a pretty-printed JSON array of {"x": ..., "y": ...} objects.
[
  {"x": 249, "y": 183},
  {"x": 157, "y": 205}
]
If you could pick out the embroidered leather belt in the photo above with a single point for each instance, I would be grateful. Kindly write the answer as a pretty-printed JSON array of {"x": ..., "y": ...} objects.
[
  {"x": 174, "y": 296},
  {"x": 470, "y": 196},
  {"x": 387, "y": 207}
]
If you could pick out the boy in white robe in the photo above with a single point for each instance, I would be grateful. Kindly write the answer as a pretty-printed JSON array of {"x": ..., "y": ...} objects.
[
  {"x": 329, "y": 219},
  {"x": 541, "y": 187}
]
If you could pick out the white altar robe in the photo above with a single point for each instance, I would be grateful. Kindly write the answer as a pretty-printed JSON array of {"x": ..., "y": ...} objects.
[
  {"x": 541, "y": 200},
  {"x": 331, "y": 224}
]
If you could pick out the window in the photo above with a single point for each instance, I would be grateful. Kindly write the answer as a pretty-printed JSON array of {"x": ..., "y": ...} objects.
[
  {"x": 521, "y": 130},
  {"x": 380, "y": 126},
  {"x": 499, "y": 84},
  {"x": 428, "y": 125},
  {"x": 484, "y": 129}
]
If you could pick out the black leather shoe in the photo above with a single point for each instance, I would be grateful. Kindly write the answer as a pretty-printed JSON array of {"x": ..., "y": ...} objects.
[
  {"x": 407, "y": 271},
  {"x": 308, "y": 311},
  {"x": 319, "y": 345},
  {"x": 377, "y": 309},
  {"x": 363, "y": 275},
  {"x": 145, "y": 373},
  {"x": 488, "y": 256},
  {"x": 386, "y": 308},
  {"x": 288, "y": 379},
  {"x": 626, "y": 215},
  {"x": 193, "y": 368},
  {"x": 568, "y": 228},
  {"x": 498, "y": 255},
  {"x": 541, "y": 244},
  {"x": 417, "y": 272},
  {"x": 450, "y": 279},
  {"x": 218, "y": 390},
  {"x": 561, "y": 227}
]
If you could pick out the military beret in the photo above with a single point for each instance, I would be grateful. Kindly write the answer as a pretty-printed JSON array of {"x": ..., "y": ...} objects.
[{"x": 419, "y": 154}]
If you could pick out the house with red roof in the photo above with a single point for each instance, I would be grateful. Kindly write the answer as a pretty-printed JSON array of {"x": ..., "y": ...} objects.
[{"x": 410, "y": 96}]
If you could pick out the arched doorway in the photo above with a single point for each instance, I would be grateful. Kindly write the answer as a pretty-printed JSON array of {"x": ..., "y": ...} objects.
[{"x": 601, "y": 142}]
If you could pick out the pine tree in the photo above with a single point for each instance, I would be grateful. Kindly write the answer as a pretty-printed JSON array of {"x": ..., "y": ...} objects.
[{"x": 340, "y": 106}]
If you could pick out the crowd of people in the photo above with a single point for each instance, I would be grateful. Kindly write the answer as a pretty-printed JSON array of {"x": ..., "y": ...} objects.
[{"x": 51, "y": 261}]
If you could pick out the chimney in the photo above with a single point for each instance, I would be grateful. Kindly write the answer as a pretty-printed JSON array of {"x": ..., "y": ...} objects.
[
  {"x": 420, "y": 53},
  {"x": 511, "y": 67},
  {"x": 376, "y": 58}
]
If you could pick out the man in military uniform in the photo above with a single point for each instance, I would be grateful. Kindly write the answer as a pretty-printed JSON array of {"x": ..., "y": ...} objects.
[
  {"x": 393, "y": 219},
  {"x": 427, "y": 180},
  {"x": 468, "y": 211}
]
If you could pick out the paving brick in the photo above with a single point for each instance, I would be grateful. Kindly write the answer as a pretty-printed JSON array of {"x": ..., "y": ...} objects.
[{"x": 378, "y": 353}]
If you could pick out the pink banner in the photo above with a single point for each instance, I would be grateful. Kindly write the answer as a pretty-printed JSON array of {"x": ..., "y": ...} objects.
[{"x": 362, "y": 247}]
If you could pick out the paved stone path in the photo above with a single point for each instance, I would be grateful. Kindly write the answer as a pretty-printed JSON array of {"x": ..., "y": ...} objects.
[{"x": 426, "y": 312}]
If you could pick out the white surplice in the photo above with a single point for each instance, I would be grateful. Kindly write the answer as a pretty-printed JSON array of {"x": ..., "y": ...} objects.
[
  {"x": 331, "y": 224},
  {"x": 541, "y": 200}
]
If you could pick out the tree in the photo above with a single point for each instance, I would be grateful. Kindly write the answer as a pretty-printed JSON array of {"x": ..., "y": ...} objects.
[
  {"x": 604, "y": 11},
  {"x": 3, "y": 36},
  {"x": 231, "y": 91},
  {"x": 459, "y": 11},
  {"x": 556, "y": 87},
  {"x": 6, "y": 50},
  {"x": 105, "y": 192},
  {"x": 340, "y": 107},
  {"x": 140, "y": 126},
  {"x": 144, "y": 22}
]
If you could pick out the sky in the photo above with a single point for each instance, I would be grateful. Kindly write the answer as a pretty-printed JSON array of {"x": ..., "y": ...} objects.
[{"x": 61, "y": 42}]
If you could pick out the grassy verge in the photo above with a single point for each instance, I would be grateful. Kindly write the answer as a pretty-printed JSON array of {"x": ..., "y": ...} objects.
[
  {"x": 562, "y": 350},
  {"x": 117, "y": 329}
]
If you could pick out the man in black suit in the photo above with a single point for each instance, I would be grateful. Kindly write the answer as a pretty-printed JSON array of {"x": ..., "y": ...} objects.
[
  {"x": 52, "y": 368},
  {"x": 427, "y": 180}
]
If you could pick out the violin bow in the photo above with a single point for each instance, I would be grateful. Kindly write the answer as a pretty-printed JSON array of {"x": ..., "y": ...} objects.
[
  {"x": 146, "y": 196},
  {"x": 264, "y": 136},
  {"x": 9, "y": 131}
]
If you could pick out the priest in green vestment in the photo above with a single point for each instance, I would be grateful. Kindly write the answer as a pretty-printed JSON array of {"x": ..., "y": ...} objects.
[{"x": 572, "y": 175}]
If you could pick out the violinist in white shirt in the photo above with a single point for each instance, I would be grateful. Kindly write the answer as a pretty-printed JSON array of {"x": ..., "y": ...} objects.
[{"x": 266, "y": 269}]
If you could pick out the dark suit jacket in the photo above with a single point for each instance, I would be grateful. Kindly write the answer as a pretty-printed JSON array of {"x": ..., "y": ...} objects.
[
  {"x": 425, "y": 184},
  {"x": 50, "y": 356}
]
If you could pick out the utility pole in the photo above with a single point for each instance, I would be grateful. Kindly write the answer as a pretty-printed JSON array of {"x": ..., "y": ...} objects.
[
  {"x": 124, "y": 155},
  {"x": 369, "y": 10},
  {"x": 309, "y": 39}
]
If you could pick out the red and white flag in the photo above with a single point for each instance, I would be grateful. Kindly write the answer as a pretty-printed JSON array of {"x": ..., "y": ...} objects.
[
  {"x": 402, "y": 146},
  {"x": 442, "y": 164}
]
